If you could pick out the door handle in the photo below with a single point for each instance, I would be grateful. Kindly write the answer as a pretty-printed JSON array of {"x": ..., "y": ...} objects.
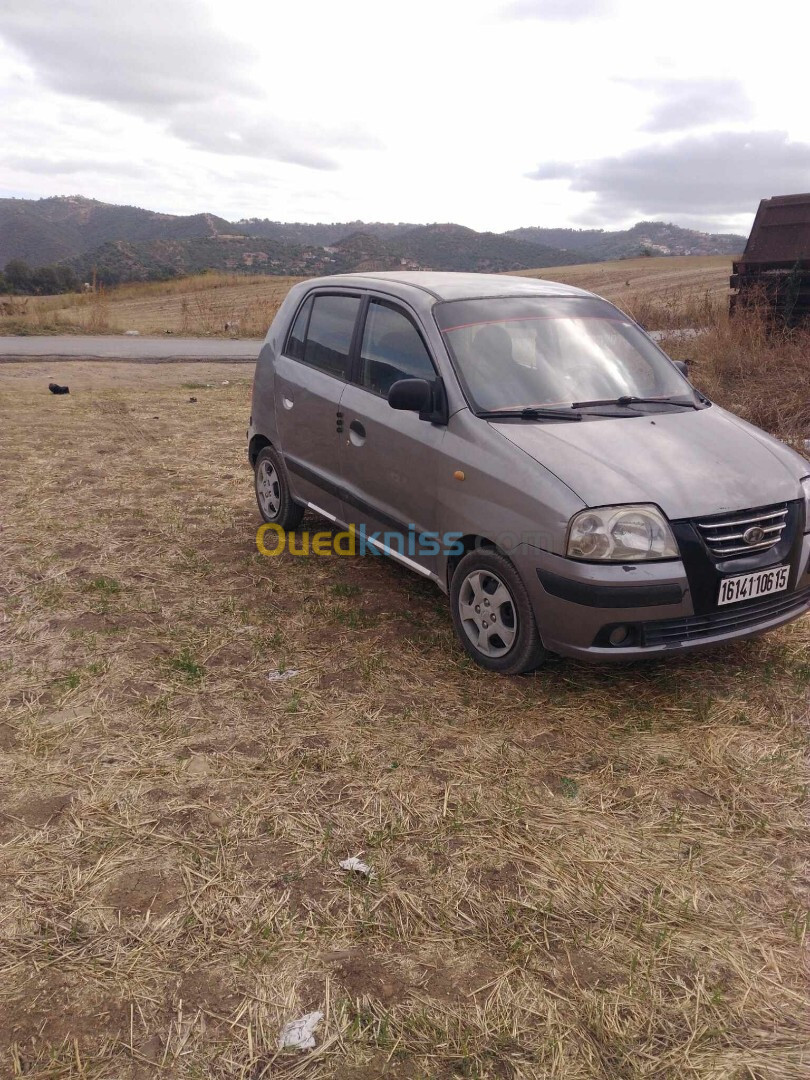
[
  {"x": 287, "y": 402},
  {"x": 357, "y": 433}
]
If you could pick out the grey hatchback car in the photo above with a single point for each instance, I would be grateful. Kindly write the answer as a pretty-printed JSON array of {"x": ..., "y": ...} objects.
[{"x": 527, "y": 447}]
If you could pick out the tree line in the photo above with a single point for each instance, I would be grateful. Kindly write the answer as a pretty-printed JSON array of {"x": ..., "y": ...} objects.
[{"x": 20, "y": 279}]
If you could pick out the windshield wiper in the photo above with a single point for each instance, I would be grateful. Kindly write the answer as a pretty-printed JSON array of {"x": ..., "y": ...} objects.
[
  {"x": 530, "y": 413},
  {"x": 632, "y": 399}
]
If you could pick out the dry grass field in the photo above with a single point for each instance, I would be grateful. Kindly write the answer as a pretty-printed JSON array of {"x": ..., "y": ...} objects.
[
  {"x": 197, "y": 306},
  {"x": 660, "y": 292},
  {"x": 657, "y": 275},
  {"x": 583, "y": 873}
]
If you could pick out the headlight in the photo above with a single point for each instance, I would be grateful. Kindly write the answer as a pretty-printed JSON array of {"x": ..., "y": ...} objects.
[
  {"x": 806, "y": 491},
  {"x": 621, "y": 534}
]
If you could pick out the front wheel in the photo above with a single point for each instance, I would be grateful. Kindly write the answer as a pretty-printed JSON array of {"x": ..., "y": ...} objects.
[{"x": 492, "y": 614}]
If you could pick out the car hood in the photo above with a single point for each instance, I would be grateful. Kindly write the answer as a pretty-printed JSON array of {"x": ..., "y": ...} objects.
[{"x": 689, "y": 463}]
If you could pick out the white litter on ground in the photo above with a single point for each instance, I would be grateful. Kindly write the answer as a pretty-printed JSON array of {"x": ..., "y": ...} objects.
[
  {"x": 280, "y": 676},
  {"x": 132, "y": 333},
  {"x": 357, "y": 865},
  {"x": 299, "y": 1033}
]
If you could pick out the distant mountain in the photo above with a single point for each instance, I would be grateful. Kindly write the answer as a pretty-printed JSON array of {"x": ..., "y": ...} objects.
[
  {"x": 645, "y": 237},
  {"x": 119, "y": 261},
  {"x": 443, "y": 247},
  {"x": 46, "y": 231},
  {"x": 436, "y": 247},
  {"x": 297, "y": 232},
  {"x": 126, "y": 243},
  {"x": 453, "y": 247}
]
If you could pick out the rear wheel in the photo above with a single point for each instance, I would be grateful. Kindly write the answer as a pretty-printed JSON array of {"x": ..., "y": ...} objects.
[
  {"x": 276, "y": 504},
  {"x": 492, "y": 614}
]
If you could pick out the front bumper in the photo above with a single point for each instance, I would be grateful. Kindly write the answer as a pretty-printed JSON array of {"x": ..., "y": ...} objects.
[{"x": 577, "y": 606}]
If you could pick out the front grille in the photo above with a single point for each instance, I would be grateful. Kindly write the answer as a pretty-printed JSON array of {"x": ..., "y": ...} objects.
[
  {"x": 724, "y": 535},
  {"x": 727, "y": 620}
]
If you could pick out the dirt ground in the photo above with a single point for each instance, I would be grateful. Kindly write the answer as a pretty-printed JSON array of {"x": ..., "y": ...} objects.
[{"x": 580, "y": 873}]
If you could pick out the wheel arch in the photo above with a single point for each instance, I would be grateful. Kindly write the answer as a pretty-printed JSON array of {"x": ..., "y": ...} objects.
[
  {"x": 470, "y": 542},
  {"x": 257, "y": 444}
]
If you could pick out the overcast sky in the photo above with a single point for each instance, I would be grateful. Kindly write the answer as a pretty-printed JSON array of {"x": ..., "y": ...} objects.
[{"x": 491, "y": 113}]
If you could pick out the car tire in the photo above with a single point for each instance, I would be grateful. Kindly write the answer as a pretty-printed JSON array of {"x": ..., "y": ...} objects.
[
  {"x": 276, "y": 504},
  {"x": 492, "y": 614}
]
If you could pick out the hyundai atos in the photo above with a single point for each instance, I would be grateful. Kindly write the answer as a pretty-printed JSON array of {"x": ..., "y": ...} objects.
[{"x": 527, "y": 447}]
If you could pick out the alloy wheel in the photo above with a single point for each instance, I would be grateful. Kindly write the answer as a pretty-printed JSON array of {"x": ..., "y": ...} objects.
[
  {"x": 488, "y": 613},
  {"x": 267, "y": 489}
]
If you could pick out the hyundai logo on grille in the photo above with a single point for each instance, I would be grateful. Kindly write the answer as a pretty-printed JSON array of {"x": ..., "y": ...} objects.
[{"x": 754, "y": 535}]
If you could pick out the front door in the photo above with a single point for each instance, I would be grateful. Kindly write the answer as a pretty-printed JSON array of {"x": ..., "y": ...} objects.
[
  {"x": 388, "y": 457},
  {"x": 310, "y": 380}
]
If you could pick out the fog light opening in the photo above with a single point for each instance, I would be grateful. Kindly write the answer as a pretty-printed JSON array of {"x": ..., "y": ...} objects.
[{"x": 619, "y": 635}]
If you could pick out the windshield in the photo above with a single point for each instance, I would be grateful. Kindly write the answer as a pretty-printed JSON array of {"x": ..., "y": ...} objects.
[{"x": 512, "y": 352}]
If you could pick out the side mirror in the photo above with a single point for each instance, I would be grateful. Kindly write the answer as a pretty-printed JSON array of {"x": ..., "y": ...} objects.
[
  {"x": 683, "y": 367},
  {"x": 410, "y": 395},
  {"x": 419, "y": 395}
]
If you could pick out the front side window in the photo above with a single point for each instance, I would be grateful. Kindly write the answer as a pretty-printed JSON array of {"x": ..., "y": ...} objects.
[
  {"x": 515, "y": 352},
  {"x": 329, "y": 334},
  {"x": 392, "y": 349}
]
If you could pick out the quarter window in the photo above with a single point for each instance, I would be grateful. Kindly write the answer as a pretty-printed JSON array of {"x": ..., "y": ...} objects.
[
  {"x": 295, "y": 344},
  {"x": 392, "y": 349},
  {"x": 329, "y": 336}
]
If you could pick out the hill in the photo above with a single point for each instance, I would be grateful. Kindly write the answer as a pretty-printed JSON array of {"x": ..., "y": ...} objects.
[
  {"x": 436, "y": 247},
  {"x": 119, "y": 261},
  {"x": 128, "y": 243},
  {"x": 440, "y": 247},
  {"x": 45, "y": 231},
  {"x": 453, "y": 247},
  {"x": 319, "y": 235},
  {"x": 644, "y": 238}
]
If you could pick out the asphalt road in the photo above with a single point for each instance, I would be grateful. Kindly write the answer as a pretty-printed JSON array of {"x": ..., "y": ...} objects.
[{"x": 121, "y": 347}]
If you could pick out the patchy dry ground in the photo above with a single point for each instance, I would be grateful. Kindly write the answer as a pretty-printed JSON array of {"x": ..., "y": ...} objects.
[{"x": 582, "y": 873}]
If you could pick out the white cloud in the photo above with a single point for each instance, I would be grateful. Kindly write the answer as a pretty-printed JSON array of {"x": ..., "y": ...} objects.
[
  {"x": 44, "y": 166},
  {"x": 724, "y": 173},
  {"x": 322, "y": 111},
  {"x": 166, "y": 61},
  {"x": 558, "y": 10},
  {"x": 148, "y": 54},
  {"x": 684, "y": 104}
]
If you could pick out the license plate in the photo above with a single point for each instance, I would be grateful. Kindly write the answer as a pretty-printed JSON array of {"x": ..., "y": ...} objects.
[{"x": 750, "y": 586}]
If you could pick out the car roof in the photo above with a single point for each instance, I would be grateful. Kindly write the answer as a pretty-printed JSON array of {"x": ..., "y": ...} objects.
[{"x": 444, "y": 285}]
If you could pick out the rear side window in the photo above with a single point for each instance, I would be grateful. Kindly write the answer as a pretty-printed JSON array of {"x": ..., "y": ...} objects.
[
  {"x": 392, "y": 349},
  {"x": 298, "y": 334},
  {"x": 329, "y": 334}
]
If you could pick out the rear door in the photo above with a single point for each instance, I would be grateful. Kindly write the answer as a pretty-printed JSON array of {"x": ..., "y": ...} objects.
[
  {"x": 389, "y": 458},
  {"x": 310, "y": 379}
]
